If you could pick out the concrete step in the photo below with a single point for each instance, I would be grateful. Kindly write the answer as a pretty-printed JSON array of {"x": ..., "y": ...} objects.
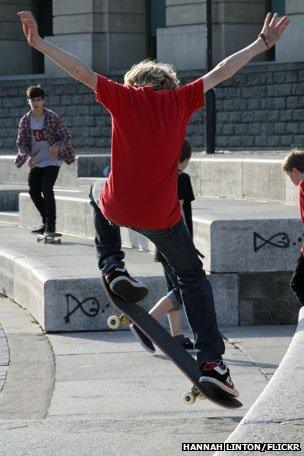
[
  {"x": 85, "y": 166},
  {"x": 248, "y": 245},
  {"x": 254, "y": 176},
  {"x": 60, "y": 284},
  {"x": 9, "y": 196},
  {"x": 12, "y": 218},
  {"x": 236, "y": 236}
]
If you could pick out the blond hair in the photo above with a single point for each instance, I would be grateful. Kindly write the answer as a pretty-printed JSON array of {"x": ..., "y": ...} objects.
[
  {"x": 294, "y": 159},
  {"x": 149, "y": 72}
]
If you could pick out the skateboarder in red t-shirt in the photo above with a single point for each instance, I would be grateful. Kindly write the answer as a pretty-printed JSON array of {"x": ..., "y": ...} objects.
[{"x": 150, "y": 113}]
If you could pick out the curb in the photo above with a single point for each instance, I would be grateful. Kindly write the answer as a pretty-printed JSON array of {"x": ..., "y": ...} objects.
[{"x": 277, "y": 414}]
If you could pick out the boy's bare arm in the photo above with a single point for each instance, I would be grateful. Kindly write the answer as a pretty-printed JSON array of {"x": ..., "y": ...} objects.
[
  {"x": 271, "y": 32},
  {"x": 68, "y": 62}
]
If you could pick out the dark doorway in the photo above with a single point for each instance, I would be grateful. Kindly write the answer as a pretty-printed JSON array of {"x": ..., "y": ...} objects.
[
  {"x": 43, "y": 12},
  {"x": 275, "y": 6},
  {"x": 156, "y": 18}
]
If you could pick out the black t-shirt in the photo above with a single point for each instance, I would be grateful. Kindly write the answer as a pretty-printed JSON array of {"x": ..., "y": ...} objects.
[{"x": 185, "y": 193}]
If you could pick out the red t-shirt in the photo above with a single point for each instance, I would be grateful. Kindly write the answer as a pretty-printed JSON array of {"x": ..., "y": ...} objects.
[
  {"x": 148, "y": 130},
  {"x": 302, "y": 206}
]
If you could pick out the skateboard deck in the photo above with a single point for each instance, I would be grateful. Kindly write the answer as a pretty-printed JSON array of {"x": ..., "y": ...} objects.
[
  {"x": 54, "y": 238},
  {"x": 133, "y": 312}
]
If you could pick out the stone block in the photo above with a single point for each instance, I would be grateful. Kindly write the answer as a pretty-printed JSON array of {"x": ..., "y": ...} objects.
[
  {"x": 9, "y": 199},
  {"x": 221, "y": 178},
  {"x": 263, "y": 180},
  {"x": 173, "y": 44},
  {"x": 6, "y": 272},
  {"x": 266, "y": 298}
]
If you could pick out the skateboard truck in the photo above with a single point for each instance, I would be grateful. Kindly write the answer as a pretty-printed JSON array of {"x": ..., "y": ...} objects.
[
  {"x": 53, "y": 238},
  {"x": 117, "y": 321},
  {"x": 190, "y": 397}
]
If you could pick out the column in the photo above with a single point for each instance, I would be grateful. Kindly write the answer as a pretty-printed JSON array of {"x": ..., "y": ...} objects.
[
  {"x": 183, "y": 42},
  {"x": 16, "y": 55},
  {"x": 290, "y": 48},
  {"x": 109, "y": 35}
]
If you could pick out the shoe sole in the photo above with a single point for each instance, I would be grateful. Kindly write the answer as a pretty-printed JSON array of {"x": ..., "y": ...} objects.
[
  {"x": 127, "y": 290},
  {"x": 219, "y": 385},
  {"x": 137, "y": 336}
]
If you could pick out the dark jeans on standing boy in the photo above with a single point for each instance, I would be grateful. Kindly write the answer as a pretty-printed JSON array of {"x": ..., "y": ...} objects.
[
  {"x": 297, "y": 280},
  {"x": 176, "y": 244},
  {"x": 41, "y": 182}
]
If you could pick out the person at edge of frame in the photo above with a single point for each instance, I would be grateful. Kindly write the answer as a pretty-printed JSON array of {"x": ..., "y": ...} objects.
[
  {"x": 293, "y": 166},
  {"x": 43, "y": 141},
  {"x": 150, "y": 113}
]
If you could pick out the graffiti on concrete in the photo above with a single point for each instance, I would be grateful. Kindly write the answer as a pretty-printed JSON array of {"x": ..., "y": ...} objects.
[
  {"x": 279, "y": 240},
  {"x": 89, "y": 306}
]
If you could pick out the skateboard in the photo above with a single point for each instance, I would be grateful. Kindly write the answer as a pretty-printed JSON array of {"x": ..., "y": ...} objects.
[
  {"x": 133, "y": 313},
  {"x": 54, "y": 238}
]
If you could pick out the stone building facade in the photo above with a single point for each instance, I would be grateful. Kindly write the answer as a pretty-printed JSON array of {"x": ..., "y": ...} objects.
[
  {"x": 110, "y": 35},
  {"x": 261, "y": 107}
]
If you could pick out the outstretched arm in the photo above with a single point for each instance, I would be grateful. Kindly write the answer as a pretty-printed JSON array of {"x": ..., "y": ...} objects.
[
  {"x": 68, "y": 62},
  {"x": 271, "y": 32}
]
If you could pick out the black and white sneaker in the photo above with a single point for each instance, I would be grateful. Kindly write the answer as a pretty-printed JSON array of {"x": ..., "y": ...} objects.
[
  {"x": 39, "y": 230},
  {"x": 144, "y": 341},
  {"x": 218, "y": 374},
  {"x": 125, "y": 286}
]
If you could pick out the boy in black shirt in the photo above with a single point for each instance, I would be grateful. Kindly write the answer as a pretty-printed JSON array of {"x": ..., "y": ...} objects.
[{"x": 172, "y": 303}]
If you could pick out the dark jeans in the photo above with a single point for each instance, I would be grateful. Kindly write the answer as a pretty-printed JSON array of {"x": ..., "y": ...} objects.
[
  {"x": 41, "y": 182},
  {"x": 172, "y": 283},
  {"x": 297, "y": 280},
  {"x": 176, "y": 245}
]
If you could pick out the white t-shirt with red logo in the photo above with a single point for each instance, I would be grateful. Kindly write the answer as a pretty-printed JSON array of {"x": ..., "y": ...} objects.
[{"x": 40, "y": 146}]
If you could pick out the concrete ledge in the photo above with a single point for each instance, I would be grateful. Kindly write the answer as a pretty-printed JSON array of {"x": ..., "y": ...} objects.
[
  {"x": 235, "y": 236},
  {"x": 250, "y": 177},
  {"x": 60, "y": 285},
  {"x": 85, "y": 166},
  {"x": 9, "y": 197},
  {"x": 277, "y": 415}
]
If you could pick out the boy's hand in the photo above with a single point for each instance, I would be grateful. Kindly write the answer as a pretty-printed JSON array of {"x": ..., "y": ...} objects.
[
  {"x": 31, "y": 163},
  {"x": 53, "y": 152},
  {"x": 29, "y": 25},
  {"x": 273, "y": 29}
]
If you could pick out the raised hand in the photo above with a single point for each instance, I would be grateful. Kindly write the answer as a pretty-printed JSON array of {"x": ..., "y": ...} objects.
[
  {"x": 29, "y": 25},
  {"x": 273, "y": 29}
]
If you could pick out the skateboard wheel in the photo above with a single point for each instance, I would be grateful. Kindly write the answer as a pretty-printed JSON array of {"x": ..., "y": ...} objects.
[
  {"x": 113, "y": 322},
  {"x": 189, "y": 398}
]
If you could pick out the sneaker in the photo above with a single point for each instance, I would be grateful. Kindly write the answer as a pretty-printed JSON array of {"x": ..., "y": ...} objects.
[
  {"x": 125, "y": 286},
  {"x": 217, "y": 373},
  {"x": 187, "y": 344},
  {"x": 144, "y": 341},
  {"x": 50, "y": 229},
  {"x": 39, "y": 230}
]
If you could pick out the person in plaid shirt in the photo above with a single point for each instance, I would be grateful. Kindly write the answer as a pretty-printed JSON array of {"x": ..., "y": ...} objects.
[{"x": 43, "y": 142}]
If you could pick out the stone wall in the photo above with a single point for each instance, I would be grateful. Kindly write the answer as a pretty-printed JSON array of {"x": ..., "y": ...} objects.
[{"x": 260, "y": 107}]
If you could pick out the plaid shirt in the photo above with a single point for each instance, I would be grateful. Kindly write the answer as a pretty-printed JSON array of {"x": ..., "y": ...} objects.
[{"x": 56, "y": 134}]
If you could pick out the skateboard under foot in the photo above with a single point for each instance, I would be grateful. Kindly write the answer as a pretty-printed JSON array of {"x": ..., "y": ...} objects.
[
  {"x": 54, "y": 238},
  {"x": 134, "y": 313}
]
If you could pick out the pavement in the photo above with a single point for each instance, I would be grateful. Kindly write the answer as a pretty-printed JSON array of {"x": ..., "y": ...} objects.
[{"x": 99, "y": 393}]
